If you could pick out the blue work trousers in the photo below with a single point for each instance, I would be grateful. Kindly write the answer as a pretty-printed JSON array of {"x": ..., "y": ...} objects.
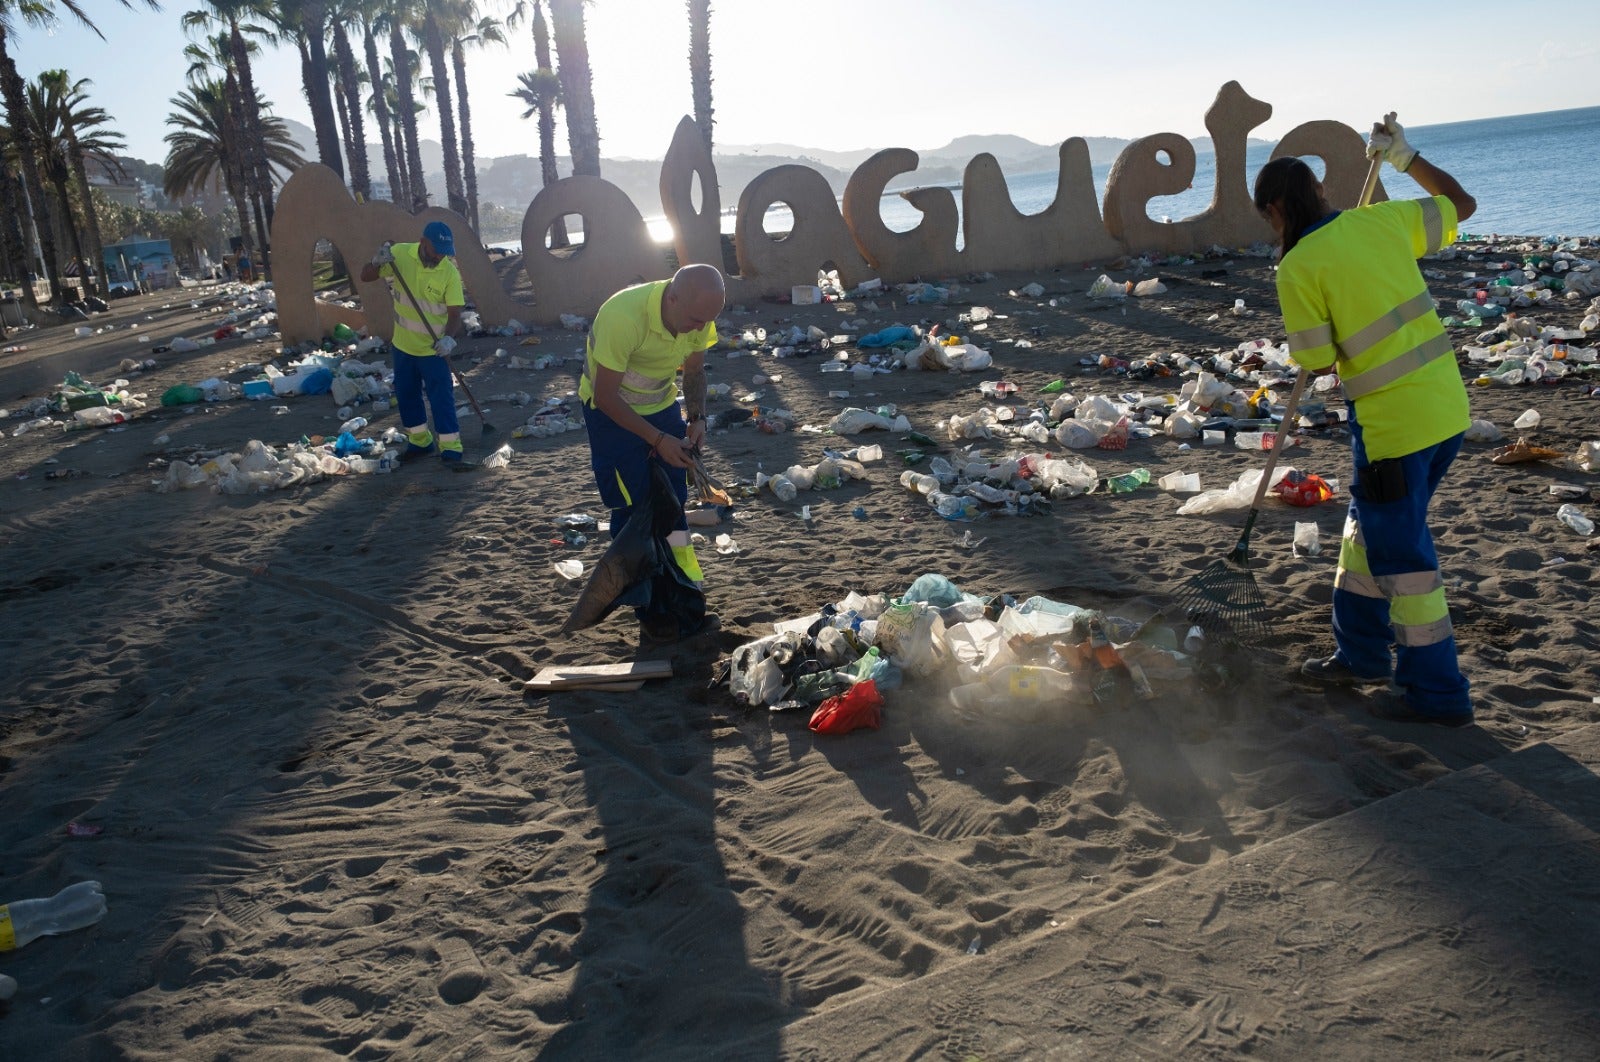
[
  {"x": 1397, "y": 547},
  {"x": 430, "y": 375},
  {"x": 621, "y": 463}
]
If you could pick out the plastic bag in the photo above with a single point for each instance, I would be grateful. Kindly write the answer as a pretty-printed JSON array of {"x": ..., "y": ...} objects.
[
  {"x": 1303, "y": 489},
  {"x": 861, "y": 706},
  {"x": 913, "y": 634},
  {"x": 638, "y": 568}
]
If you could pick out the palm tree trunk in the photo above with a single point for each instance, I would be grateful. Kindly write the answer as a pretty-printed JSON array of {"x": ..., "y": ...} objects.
[
  {"x": 434, "y": 43},
  {"x": 406, "y": 97},
  {"x": 577, "y": 85},
  {"x": 314, "y": 79},
  {"x": 403, "y": 192},
  {"x": 341, "y": 110},
  {"x": 69, "y": 223},
  {"x": 22, "y": 136},
  {"x": 254, "y": 190},
  {"x": 360, "y": 179},
  {"x": 547, "y": 124},
  {"x": 253, "y": 149},
  {"x": 92, "y": 221},
  {"x": 469, "y": 161},
  {"x": 380, "y": 112},
  {"x": 13, "y": 242},
  {"x": 700, "y": 65}
]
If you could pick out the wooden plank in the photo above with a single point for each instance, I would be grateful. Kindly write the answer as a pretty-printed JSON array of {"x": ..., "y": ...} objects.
[{"x": 568, "y": 675}]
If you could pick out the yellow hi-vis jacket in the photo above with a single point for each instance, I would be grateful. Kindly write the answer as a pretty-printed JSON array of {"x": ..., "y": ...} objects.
[
  {"x": 436, "y": 290},
  {"x": 1352, "y": 296}
]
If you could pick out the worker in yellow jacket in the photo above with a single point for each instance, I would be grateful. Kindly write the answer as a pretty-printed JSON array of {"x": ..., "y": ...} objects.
[{"x": 1354, "y": 301}]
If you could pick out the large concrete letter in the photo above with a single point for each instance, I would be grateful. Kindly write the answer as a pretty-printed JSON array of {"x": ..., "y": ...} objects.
[
  {"x": 1139, "y": 176},
  {"x": 769, "y": 265},
  {"x": 929, "y": 250},
  {"x": 1068, "y": 231},
  {"x": 315, "y": 205},
  {"x": 696, "y": 234},
  {"x": 616, "y": 251},
  {"x": 1344, "y": 153}
]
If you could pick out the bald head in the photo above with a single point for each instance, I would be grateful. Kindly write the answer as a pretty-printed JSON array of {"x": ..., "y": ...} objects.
[{"x": 694, "y": 297}]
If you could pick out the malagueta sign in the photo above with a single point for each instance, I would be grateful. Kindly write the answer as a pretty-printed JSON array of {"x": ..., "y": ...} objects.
[{"x": 617, "y": 249}]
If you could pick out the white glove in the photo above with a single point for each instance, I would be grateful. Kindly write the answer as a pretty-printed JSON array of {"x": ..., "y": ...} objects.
[
  {"x": 385, "y": 255},
  {"x": 444, "y": 346},
  {"x": 1388, "y": 140}
]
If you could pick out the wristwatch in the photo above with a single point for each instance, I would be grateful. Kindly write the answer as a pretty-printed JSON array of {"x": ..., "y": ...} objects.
[{"x": 696, "y": 416}]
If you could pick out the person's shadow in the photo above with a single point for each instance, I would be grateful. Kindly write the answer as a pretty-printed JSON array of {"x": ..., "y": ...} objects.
[{"x": 662, "y": 966}]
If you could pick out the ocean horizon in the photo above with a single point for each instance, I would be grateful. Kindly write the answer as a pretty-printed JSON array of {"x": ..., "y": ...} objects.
[{"x": 1533, "y": 175}]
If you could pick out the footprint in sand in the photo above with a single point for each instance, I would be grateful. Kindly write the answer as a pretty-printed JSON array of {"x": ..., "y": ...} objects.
[{"x": 463, "y": 976}]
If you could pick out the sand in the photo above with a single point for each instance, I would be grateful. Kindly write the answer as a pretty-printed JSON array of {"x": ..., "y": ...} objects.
[{"x": 331, "y": 822}]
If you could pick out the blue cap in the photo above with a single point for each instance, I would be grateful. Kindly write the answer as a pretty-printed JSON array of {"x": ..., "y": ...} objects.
[{"x": 439, "y": 234}]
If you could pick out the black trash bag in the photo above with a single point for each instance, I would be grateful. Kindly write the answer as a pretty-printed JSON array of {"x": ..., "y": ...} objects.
[{"x": 638, "y": 569}]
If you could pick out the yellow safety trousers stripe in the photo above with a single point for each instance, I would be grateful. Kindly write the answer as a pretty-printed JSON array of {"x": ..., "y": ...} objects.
[
  {"x": 682, "y": 549},
  {"x": 1418, "y": 611}
]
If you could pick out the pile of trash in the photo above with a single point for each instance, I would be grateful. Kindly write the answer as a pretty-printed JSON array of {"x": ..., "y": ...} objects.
[
  {"x": 1520, "y": 351},
  {"x": 261, "y": 468},
  {"x": 1030, "y": 661}
]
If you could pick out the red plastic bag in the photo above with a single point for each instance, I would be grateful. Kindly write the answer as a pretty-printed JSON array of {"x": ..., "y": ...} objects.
[
  {"x": 1303, "y": 489},
  {"x": 859, "y": 706}
]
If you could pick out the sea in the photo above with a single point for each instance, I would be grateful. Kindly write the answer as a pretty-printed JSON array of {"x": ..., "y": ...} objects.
[{"x": 1532, "y": 175}]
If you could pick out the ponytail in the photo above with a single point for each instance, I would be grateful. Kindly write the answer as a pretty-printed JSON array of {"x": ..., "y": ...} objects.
[{"x": 1289, "y": 183}]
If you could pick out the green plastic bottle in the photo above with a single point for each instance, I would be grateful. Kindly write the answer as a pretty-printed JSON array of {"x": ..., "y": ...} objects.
[{"x": 1128, "y": 481}]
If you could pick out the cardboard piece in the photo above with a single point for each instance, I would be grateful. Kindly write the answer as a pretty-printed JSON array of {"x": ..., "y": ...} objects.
[{"x": 624, "y": 676}]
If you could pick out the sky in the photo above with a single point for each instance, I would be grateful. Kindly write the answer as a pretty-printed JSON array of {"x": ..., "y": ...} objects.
[{"x": 919, "y": 73}]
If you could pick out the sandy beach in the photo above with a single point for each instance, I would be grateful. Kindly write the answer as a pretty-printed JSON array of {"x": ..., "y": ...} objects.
[{"x": 330, "y": 822}]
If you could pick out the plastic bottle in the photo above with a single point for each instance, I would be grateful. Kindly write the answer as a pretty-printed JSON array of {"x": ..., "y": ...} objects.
[
  {"x": 1128, "y": 481},
  {"x": 783, "y": 487},
  {"x": 1570, "y": 515},
  {"x": 920, "y": 482},
  {"x": 74, "y": 907},
  {"x": 353, "y": 425},
  {"x": 953, "y": 507}
]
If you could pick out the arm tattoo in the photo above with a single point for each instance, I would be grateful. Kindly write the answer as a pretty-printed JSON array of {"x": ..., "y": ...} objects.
[{"x": 694, "y": 392}]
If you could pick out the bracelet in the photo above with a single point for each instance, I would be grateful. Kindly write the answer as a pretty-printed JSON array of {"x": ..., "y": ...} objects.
[
  {"x": 655, "y": 447},
  {"x": 696, "y": 416}
]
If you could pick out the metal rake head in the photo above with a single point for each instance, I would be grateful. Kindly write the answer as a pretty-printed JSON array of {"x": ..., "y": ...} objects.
[{"x": 1224, "y": 601}]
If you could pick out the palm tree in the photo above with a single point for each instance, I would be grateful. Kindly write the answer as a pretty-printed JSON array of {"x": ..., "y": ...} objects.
[
  {"x": 432, "y": 39},
  {"x": 350, "y": 102},
  {"x": 398, "y": 13},
  {"x": 304, "y": 22},
  {"x": 484, "y": 31},
  {"x": 218, "y": 52},
  {"x": 244, "y": 102},
  {"x": 700, "y": 65},
  {"x": 577, "y": 85},
  {"x": 204, "y": 145},
  {"x": 370, "y": 12},
  {"x": 389, "y": 83},
  {"x": 72, "y": 134},
  {"x": 541, "y": 91},
  {"x": 46, "y": 14}
]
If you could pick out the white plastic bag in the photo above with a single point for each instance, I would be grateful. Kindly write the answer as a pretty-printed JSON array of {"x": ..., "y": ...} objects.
[{"x": 913, "y": 634}]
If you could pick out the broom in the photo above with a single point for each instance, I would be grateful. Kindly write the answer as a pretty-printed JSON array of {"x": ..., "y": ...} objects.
[{"x": 1224, "y": 599}]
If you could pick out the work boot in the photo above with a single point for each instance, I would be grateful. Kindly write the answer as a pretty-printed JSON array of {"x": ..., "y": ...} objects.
[
  {"x": 1331, "y": 671},
  {"x": 413, "y": 451}
]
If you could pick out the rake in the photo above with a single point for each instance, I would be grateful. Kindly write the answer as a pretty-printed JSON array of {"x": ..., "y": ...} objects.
[
  {"x": 488, "y": 429},
  {"x": 1224, "y": 600}
]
